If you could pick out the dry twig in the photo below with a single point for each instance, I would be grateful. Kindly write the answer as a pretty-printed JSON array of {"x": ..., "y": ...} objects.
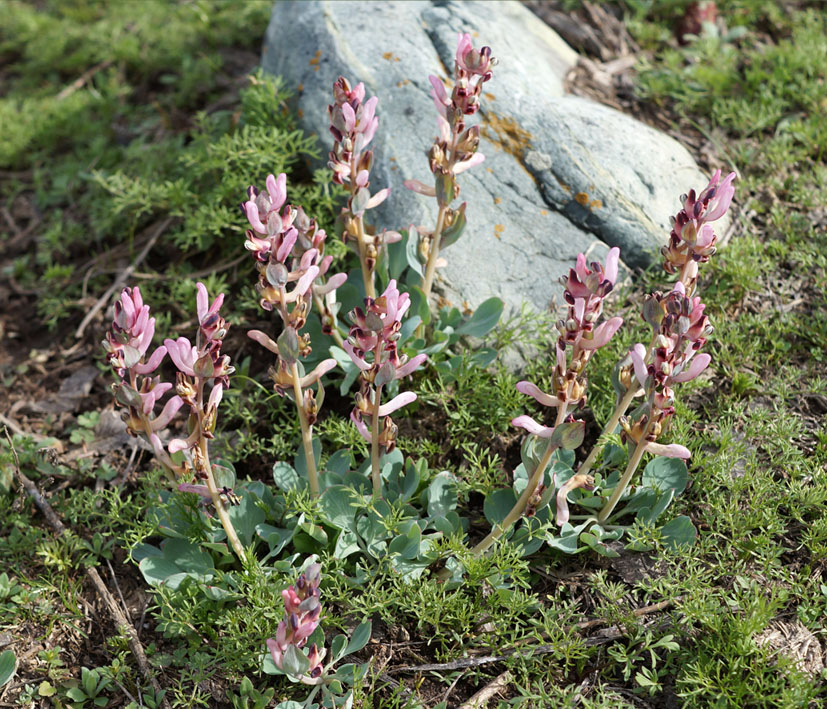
[
  {"x": 121, "y": 621},
  {"x": 83, "y": 78},
  {"x": 121, "y": 280},
  {"x": 480, "y": 699}
]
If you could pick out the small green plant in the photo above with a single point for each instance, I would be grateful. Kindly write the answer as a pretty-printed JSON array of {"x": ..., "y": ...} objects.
[{"x": 89, "y": 691}]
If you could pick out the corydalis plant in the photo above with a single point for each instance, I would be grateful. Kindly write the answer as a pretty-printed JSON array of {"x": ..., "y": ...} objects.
[
  {"x": 693, "y": 238},
  {"x": 203, "y": 374},
  {"x": 581, "y": 333},
  {"x": 372, "y": 348},
  {"x": 680, "y": 330},
  {"x": 302, "y": 663},
  {"x": 288, "y": 250},
  {"x": 455, "y": 149},
  {"x": 302, "y": 613},
  {"x": 353, "y": 124}
]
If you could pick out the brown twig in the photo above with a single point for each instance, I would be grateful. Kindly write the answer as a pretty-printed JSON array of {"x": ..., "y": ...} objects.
[
  {"x": 480, "y": 699},
  {"x": 83, "y": 78},
  {"x": 121, "y": 280},
  {"x": 121, "y": 621}
]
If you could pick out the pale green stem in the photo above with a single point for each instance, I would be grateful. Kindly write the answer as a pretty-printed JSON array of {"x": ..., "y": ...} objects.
[
  {"x": 376, "y": 471},
  {"x": 433, "y": 254},
  {"x": 367, "y": 273},
  {"x": 307, "y": 432},
  {"x": 631, "y": 467},
  {"x": 519, "y": 507},
  {"x": 335, "y": 334},
  {"x": 609, "y": 428},
  {"x": 218, "y": 503}
]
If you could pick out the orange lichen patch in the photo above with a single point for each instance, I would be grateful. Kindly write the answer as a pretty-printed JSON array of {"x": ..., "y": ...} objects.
[
  {"x": 595, "y": 204},
  {"x": 544, "y": 212},
  {"x": 582, "y": 199},
  {"x": 300, "y": 113},
  {"x": 404, "y": 82},
  {"x": 498, "y": 230},
  {"x": 467, "y": 310},
  {"x": 497, "y": 200},
  {"x": 504, "y": 133},
  {"x": 488, "y": 96},
  {"x": 316, "y": 57},
  {"x": 564, "y": 187},
  {"x": 300, "y": 88}
]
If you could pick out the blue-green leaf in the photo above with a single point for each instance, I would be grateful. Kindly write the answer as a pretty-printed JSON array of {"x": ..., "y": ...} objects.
[
  {"x": 8, "y": 666},
  {"x": 498, "y": 504},
  {"x": 665, "y": 474},
  {"x": 360, "y": 637},
  {"x": 286, "y": 477},
  {"x": 680, "y": 532},
  {"x": 484, "y": 319}
]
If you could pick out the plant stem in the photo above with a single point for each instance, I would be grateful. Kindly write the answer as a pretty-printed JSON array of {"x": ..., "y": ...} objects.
[
  {"x": 519, "y": 508},
  {"x": 433, "y": 254},
  {"x": 609, "y": 428},
  {"x": 334, "y": 333},
  {"x": 376, "y": 471},
  {"x": 367, "y": 273},
  {"x": 307, "y": 432},
  {"x": 218, "y": 503},
  {"x": 631, "y": 467}
]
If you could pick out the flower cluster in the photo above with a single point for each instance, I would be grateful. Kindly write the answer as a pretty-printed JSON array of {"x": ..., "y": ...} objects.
[
  {"x": 200, "y": 365},
  {"x": 302, "y": 612},
  {"x": 202, "y": 372},
  {"x": 692, "y": 237},
  {"x": 580, "y": 336},
  {"x": 290, "y": 250},
  {"x": 353, "y": 124},
  {"x": 372, "y": 347},
  {"x": 288, "y": 247},
  {"x": 126, "y": 345},
  {"x": 454, "y": 150},
  {"x": 679, "y": 333}
]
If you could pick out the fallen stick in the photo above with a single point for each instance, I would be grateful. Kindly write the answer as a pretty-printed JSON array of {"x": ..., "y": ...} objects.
[
  {"x": 121, "y": 280},
  {"x": 121, "y": 621},
  {"x": 83, "y": 78},
  {"x": 480, "y": 699}
]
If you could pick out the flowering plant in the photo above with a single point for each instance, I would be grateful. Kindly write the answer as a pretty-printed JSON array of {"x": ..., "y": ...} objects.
[
  {"x": 290, "y": 653},
  {"x": 202, "y": 376},
  {"x": 680, "y": 328}
]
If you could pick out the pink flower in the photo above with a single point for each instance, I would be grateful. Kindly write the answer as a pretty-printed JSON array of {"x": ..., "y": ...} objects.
[
  {"x": 534, "y": 391},
  {"x": 671, "y": 451},
  {"x": 470, "y": 60},
  {"x": 302, "y": 610},
  {"x": 574, "y": 482},
  {"x": 183, "y": 354},
  {"x": 530, "y": 425},
  {"x": 131, "y": 335}
]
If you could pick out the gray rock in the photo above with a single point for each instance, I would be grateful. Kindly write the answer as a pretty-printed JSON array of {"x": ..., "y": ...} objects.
[{"x": 562, "y": 174}]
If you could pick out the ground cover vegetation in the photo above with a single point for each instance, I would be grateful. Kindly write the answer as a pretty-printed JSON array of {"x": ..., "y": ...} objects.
[{"x": 129, "y": 139}]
